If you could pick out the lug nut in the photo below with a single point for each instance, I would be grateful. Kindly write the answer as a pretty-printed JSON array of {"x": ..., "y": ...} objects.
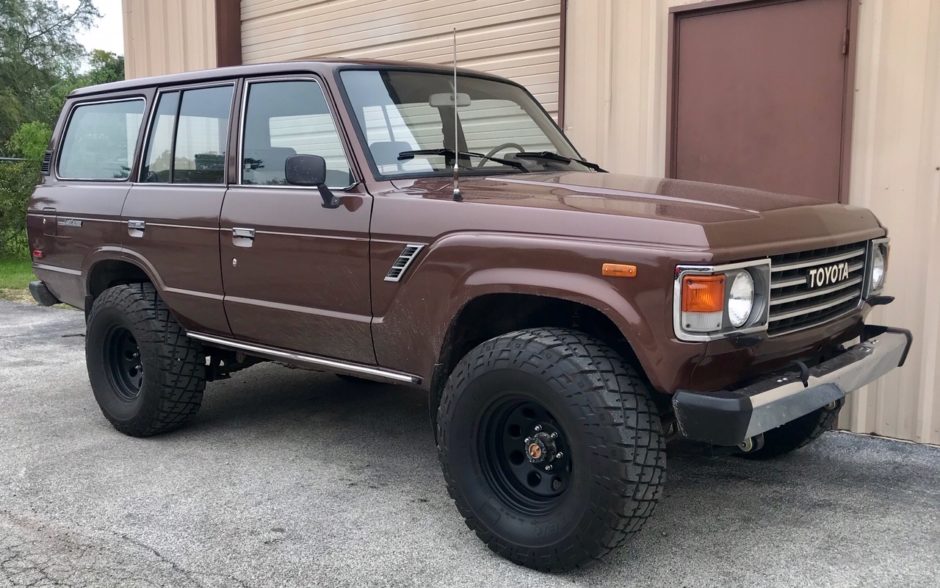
[
  {"x": 548, "y": 468},
  {"x": 554, "y": 435},
  {"x": 559, "y": 455},
  {"x": 538, "y": 428}
]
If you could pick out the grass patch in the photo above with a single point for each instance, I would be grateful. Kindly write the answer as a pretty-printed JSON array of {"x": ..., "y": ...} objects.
[{"x": 15, "y": 276}]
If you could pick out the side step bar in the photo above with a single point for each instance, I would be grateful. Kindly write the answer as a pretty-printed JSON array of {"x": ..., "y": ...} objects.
[{"x": 309, "y": 360}]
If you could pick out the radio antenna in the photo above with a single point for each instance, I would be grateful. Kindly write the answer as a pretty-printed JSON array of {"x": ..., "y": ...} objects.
[{"x": 457, "y": 195}]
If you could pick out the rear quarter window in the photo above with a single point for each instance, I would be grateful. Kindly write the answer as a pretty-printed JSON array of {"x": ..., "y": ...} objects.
[{"x": 100, "y": 140}]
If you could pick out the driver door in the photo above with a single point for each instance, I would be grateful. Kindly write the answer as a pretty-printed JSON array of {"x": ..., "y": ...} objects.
[{"x": 295, "y": 274}]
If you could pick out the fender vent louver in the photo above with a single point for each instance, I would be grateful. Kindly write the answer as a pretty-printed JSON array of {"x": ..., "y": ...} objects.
[
  {"x": 46, "y": 163},
  {"x": 404, "y": 260}
]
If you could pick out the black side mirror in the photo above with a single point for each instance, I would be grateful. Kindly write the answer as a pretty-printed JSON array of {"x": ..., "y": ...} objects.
[{"x": 310, "y": 170}]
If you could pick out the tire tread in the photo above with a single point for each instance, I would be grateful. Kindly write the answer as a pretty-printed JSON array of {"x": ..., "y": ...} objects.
[
  {"x": 617, "y": 412},
  {"x": 181, "y": 378}
]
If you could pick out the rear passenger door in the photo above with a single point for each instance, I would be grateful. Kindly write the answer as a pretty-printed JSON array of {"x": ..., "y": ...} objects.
[
  {"x": 296, "y": 274},
  {"x": 172, "y": 213},
  {"x": 76, "y": 213}
]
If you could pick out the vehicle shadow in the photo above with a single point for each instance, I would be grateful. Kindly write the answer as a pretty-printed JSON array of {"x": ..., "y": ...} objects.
[{"x": 732, "y": 516}]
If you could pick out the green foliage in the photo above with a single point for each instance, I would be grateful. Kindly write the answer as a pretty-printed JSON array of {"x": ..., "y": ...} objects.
[
  {"x": 39, "y": 62},
  {"x": 38, "y": 49},
  {"x": 103, "y": 67},
  {"x": 17, "y": 181},
  {"x": 30, "y": 140},
  {"x": 15, "y": 273}
]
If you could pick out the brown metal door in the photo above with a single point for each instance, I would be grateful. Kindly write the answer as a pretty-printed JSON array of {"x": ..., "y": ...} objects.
[
  {"x": 759, "y": 96},
  {"x": 296, "y": 274},
  {"x": 171, "y": 216}
]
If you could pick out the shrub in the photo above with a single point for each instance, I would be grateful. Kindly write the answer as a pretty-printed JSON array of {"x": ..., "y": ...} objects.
[
  {"x": 17, "y": 180},
  {"x": 30, "y": 140}
]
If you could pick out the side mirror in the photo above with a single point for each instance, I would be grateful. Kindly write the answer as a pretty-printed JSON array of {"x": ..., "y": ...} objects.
[{"x": 310, "y": 170}]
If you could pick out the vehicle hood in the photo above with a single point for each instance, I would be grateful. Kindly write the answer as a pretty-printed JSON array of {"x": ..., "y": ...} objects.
[{"x": 659, "y": 210}]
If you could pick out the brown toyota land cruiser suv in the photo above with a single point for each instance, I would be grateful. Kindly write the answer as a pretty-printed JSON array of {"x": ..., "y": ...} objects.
[{"x": 372, "y": 220}]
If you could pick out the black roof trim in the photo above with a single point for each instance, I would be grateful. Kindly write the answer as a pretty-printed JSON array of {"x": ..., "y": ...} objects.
[{"x": 284, "y": 67}]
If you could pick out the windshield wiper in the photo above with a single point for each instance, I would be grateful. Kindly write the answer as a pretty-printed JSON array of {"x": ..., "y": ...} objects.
[
  {"x": 552, "y": 156},
  {"x": 450, "y": 153}
]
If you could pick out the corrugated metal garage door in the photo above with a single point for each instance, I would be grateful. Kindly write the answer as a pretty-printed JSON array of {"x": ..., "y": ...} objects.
[{"x": 518, "y": 40}]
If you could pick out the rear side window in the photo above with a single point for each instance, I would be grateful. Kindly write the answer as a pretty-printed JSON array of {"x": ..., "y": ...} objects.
[
  {"x": 188, "y": 137},
  {"x": 100, "y": 140},
  {"x": 287, "y": 118}
]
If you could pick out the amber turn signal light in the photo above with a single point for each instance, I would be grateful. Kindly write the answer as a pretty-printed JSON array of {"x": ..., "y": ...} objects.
[
  {"x": 703, "y": 293},
  {"x": 618, "y": 270}
]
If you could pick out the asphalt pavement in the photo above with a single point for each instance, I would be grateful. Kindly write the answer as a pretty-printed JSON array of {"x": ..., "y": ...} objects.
[{"x": 290, "y": 477}]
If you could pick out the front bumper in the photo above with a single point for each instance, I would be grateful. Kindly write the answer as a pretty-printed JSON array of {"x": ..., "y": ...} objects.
[{"x": 729, "y": 417}]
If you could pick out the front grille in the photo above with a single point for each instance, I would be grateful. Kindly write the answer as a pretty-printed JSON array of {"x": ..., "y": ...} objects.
[{"x": 794, "y": 305}]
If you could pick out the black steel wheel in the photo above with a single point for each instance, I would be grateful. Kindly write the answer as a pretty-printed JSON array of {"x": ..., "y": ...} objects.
[
  {"x": 147, "y": 375},
  {"x": 551, "y": 447},
  {"x": 525, "y": 454},
  {"x": 122, "y": 357}
]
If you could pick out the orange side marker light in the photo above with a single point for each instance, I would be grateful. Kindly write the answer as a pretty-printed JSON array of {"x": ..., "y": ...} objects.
[{"x": 618, "y": 270}]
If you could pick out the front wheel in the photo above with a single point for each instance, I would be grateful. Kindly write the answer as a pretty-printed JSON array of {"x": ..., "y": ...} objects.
[{"x": 551, "y": 447}]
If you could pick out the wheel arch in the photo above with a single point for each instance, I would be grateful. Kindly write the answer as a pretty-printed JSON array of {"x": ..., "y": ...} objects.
[
  {"x": 108, "y": 271},
  {"x": 503, "y": 310}
]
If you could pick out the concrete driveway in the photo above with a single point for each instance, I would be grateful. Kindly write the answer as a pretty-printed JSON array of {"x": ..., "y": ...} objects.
[{"x": 288, "y": 477}]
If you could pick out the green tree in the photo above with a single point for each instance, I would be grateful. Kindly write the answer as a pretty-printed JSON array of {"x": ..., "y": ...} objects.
[
  {"x": 103, "y": 67},
  {"x": 38, "y": 49}
]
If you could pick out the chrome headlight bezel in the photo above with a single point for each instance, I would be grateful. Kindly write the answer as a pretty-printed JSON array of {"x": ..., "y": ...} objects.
[
  {"x": 759, "y": 272},
  {"x": 876, "y": 247}
]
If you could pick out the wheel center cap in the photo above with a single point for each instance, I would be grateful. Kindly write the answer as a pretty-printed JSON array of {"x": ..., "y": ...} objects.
[
  {"x": 535, "y": 451},
  {"x": 539, "y": 447}
]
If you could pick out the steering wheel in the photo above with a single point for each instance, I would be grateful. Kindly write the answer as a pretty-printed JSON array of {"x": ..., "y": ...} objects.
[{"x": 499, "y": 148}]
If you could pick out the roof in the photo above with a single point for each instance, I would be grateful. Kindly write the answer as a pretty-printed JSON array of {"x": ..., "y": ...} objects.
[{"x": 283, "y": 67}]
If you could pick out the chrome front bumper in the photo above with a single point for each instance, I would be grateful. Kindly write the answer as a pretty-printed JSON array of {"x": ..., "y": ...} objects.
[{"x": 729, "y": 417}]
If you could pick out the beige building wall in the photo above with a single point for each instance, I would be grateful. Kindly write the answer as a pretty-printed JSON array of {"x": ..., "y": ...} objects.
[
  {"x": 518, "y": 39},
  {"x": 615, "y": 111},
  {"x": 168, "y": 36}
]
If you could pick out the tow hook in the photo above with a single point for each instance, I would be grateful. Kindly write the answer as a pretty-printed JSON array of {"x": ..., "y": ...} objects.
[{"x": 752, "y": 444}]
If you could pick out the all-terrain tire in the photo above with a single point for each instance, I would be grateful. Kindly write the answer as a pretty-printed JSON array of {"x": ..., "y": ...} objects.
[
  {"x": 797, "y": 433},
  {"x": 170, "y": 375},
  {"x": 612, "y": 431}
]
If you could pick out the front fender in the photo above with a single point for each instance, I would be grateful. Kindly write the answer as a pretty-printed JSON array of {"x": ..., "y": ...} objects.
[{"x": 411, "y": 329}]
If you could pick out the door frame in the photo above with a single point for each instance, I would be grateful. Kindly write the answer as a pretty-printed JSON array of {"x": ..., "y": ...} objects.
[{"x": 717, "y": 6}]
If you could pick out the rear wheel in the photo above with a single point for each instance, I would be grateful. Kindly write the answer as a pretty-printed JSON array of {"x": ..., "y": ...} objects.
[
  {"x": 147, "y": 375},
  {"x": 797, "y": 433},
  {"x": 551, "y": 447}
]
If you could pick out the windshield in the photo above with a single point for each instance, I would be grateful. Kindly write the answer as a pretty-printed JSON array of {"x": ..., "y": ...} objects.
[{"x": 406, "y": 119}]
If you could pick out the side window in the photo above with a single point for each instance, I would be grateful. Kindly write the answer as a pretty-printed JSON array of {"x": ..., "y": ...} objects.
[
  {"x": 100, "y": 140},
  {"x": 288, "y": 118},
  {"x": 188, "y": 137},
  {"x": 160, "y": 149}
]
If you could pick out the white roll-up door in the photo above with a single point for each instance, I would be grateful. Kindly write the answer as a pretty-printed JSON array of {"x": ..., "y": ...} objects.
[{"x": 517, "y": 39}]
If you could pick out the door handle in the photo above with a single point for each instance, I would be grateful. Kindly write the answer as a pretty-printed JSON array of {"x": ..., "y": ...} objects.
[
  {"x": 136, "y": 228},
  {"x": 242, "y": 237}
]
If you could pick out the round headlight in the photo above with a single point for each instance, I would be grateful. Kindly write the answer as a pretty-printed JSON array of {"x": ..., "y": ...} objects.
[
  {"x": 740, "y": 299},
  {"x": 877, "y": 269}
]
